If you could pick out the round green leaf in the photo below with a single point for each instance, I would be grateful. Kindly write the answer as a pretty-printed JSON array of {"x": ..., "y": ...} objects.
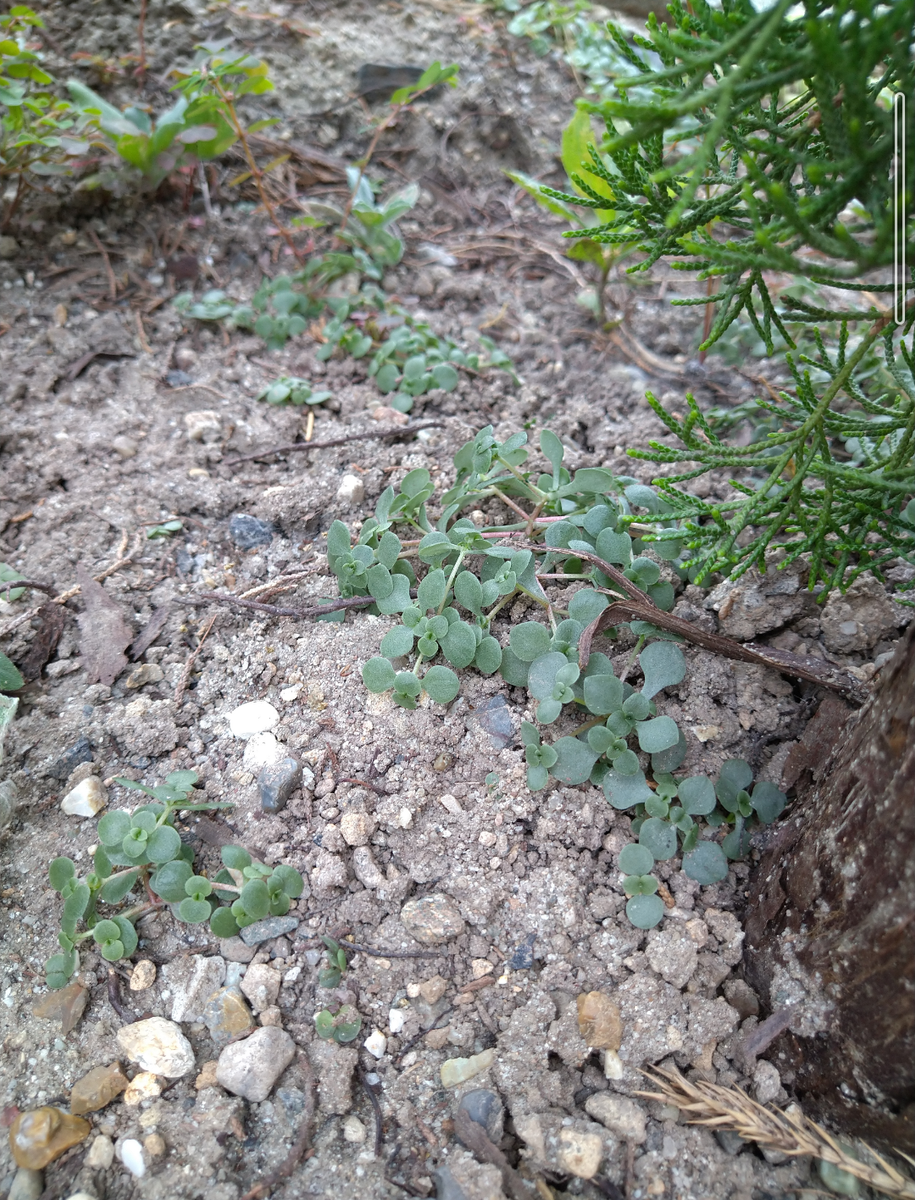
[
  {"x": 587, "y": 605},
  {"x": 102, "y": 863},
  {"x": 431, "y": 591},
  {"x": 603, "y": 694},
  {"x": 626, "y": 763},
  {"x": 289, "y": 879},
  {"x": 114, "y": 890},
  {"x": 442, "y": 684},
  {"x": 256, "y": 899},
  {"x": 645, "y": 911},
  {"x": 195, "y": 912},
  {"x": 600, "y": 739},
  {"x": 669, "y": 760},
  {"x": 574, "y": 760},
  {"x": 60, "y": 872},
  {"x": 112, "y": 951},
  {"x": 168, "y": 882},
  {"x": 530, "y": 639},
  {"x": 378, "y": 675},
  {"x": 105, "y": 931},
  {"x": 397, "y": 642},
  {"x": 768, "y": 801},
  {"x": 658, "y": 837},
  {"x": 706, "y": 864},
  {"x": 163, "y": 844},
  {"x": 406, "y": 683},
  {"x": 697, "y": 795},
  {"x": 235, "y": 857},
  {"x": 459, "y": 645},
  {"x": 513, "y": 670},
  {"x": 129, "y": 939},
  {"x": 468, "y": 592},
  {"x": 636, "y": 859},
  {"x": 198, "y": 887},
  {"x": 541, "y": 679},
  {"x": 662, "y": 665},
  {"x": 223, "y": 924},
  {"x": 488, "y": 657},
  {"x": 387, "y": 377},
  {"x": 445, "y": 376},
  {"x": 113, "y": 828},
  {"x": 145, "y": 819},
  {"x": 735, "y": 776},
  {"x": 658, "y": 734},
  {"x": 623, "y": 791},
  {"x": 636, "y": 707}
]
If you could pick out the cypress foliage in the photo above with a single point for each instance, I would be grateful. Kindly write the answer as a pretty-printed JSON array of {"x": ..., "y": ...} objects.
[{"x": 756, "y": 142}]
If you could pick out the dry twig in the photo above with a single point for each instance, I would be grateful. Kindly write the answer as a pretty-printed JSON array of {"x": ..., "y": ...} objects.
[
  {"x": 192, "y": 658},
  {"x": 719, "y": 1107},
  {"x": 327, "y": 443}
]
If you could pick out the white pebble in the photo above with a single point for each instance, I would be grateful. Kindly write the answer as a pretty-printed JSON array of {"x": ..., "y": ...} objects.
[
  {"x": 86, "y": 799},
  {"x": 353, "y": 1130},
  {"x": 262, "y": 750},
  {"x": 397, "y": 1018},
  {"x": 203, "y": 425},
  {"x": 130, "y": 1152},
  {"x": 376, "y": 1043},
  {"x": 287, "y": 695},
  {"x": 351, "y": 490},
  {"x": 258, "y": 716}
]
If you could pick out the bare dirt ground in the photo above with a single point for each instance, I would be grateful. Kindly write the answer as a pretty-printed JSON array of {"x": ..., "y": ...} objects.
[{"x": 394, "y": 805}]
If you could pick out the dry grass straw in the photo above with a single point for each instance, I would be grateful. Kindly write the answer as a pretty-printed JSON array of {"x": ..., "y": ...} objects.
[{"x": 729, "y": 1108}]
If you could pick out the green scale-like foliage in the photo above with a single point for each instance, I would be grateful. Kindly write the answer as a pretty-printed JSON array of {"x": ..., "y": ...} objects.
[{"x": 748, "y": 143}]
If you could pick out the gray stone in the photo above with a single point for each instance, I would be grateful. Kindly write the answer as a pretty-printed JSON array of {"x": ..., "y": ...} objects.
[
  {"x": 494, "y": 715},
  {"x": 27, "y": 1184},
  {"x": 176, "y": 379},
  {"x": 80, "y": 752},
  {"x": 622, "y": 1116},
  {"x": 486, "y": 1109},
  {"x": 730, "y": 1142},
  {"x": 270, "y": 927},
  {"x": 158, "y": 1046},
  {"x": 446, "y": 1186},
  {"x": 246, "y": 532},
  {"x": 522, "y": 958},
  {"x": 227, "y": 1016},
  {"x": 673, "y": 954},
  {"x": 9, "y": 248},
  {"x": 234, "y": 950},
  {"x": 333, "y": 1066},
  {"x": 432, "y": 920},
  {"x": 261, "y": 985},
  {"x": 250, "y": 1068},
  {"x": 366, "y": 869},
  {"x": 766, "y": 1082},
  {"x": 276, "y": 784},
  {"x": 192, "y": 982}
]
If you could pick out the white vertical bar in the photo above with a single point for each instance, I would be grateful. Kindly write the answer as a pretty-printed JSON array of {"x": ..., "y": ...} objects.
[{"x": 899, "y": 222}]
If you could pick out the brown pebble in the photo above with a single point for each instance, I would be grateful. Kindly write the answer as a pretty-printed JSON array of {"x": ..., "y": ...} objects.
[
  {"x": 96, "y": 1089},
  {"x": 143, "y": 975},
  {"x": 599, "y": 1021},
  {"x": 154, "y": 1145},
  {"x": 207, "y": 1076},
  {"x": 66, "y": 1005},
  {"x": 437, "y": 1039},
  {"x": 443, "y": 762},
  {"x": 39, "y": 1136}
]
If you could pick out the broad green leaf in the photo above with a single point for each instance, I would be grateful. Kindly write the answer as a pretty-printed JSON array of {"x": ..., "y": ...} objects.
[
  {"x": 459, "y": 645},
  {"x": 115, "y": 889},
  {"x": 10, "y": 676},
  {"x": 468, "y": 592},
  {"x": 223, "y": 924},
  {"x": 60, "y": 872},
  {"x": 378, "y": 675},
  {"x": 658, "y": 734},
  {"x": 529, "y": 640},
  {"x": 636, "y": 859},
  {"x": 431, "y": 591},
  {"x": 697, "y": 795},
  {"x": 662, "y": 665},
  {"x": 574, "y": 760},
  {"x": 163, "y": 844},
  {"x": 514, "y": 670},
  {"x": 169, "y": 880},
  {"x": 256, "y": 899},
  {"x": 659, "y": 837},
  {"x": 768, "y": 801},
  {"x": 624, "y": 791},
  {"x": 706, "y": 864},
  {"x": 603, "y": 694},
  {"x": 195, "y": 912},
  {"x": 235, "y": 857},
  {"x": 441, "y": 683},
  {"x": 645, "y": 911},
  {"x": 397, "y": 642},
  {"x": 576, "y": 138},
  {"x": 587, "y": 605}
]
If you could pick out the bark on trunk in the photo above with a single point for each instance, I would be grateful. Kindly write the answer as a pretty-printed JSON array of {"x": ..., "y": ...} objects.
[{"x": 831, "y": 926}]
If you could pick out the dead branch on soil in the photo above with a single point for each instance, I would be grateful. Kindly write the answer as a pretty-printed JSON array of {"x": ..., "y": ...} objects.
[
  {"x": 376, "y": 1108},
  {"x": 301, "y": 1144},
  {"x": 719, "y": 1107},
  {"x": 475, "y": 1138},
  {"x": 191, "y": 659},
  {"x": 273, "y": 610},
  {"x": 327, "y": 443}
]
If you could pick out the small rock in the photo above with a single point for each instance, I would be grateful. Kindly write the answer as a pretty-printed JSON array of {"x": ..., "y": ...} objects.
[
  {"x": 86, "y": 799},
  {"x": 203, "y": 426},
  {"x": 207, "y": 1077},
  {"x": 250, "y": 1068},
  {"x": 193, "y": 981},
  {"x": 80, "y": 752},
  {"x": 432, "y": 920},
  {"x": 433, "y": 989},
  {"x": 101, "y": 1154},
  {"x": 673, "y": 954},
  {"x": 143, "y": 975},
  {"x": 376, "y": 1043},
  {"x": 356, "y": 828},
  {"x": 143, "y": 1086},
  {"x": 523, "y": 957},
  {"x": 858, "y": 619},
  {"x": 458, "y": 1070},
  {"x": 729, "y": 1141},
  {"x": 261, "y": 985},
  {"x": 389, "y": 415},
  {"x": 124, "y": 447},
  {"x": 353, "y": 1130},
  {"x": 158, "y": 1046},
  {"x": 599, "y": 1021},
  {"x": 247, "y": 532},
  {"x": 271, "y": 1016},
  {"x": 270, "y": 927},
  {"x": 741, "y": 997},
  {"x": 176, "y": 379},
  {"x": 227, "y": 1016},
  {"x": 622, "y": 1116},
  {"x": 257, "y": 716},
  {"x": 234, "y": 950},
  {"x": 66, "y": 1006},
  {"x": 580, "y": 1153},
  {"x": 480, "y": 968},
  {"x": 185, "y": 358},
  {"x": 130, "y": 1152},
  {"x": 9, "y": 247},
  {"x": 613, "y": 1065},
  {"x": 366, "y": 869},
  {"x": 397, "y": 1018},
  {"x": 486, "y": 1109},
  {"x": 154, "y": 1145},
  {"x": 437, "y": 1039},
  {"x": 276, "y": 783},
  {"x": 27, "y": 1184},
  {"x": 97, "y": 1088},
  {"x": 767, "y": 1082},
  {"x": 262, "y": 750},
  {"x": 143, "y": 674},
  {"x": 351, "y": 490},
  {"x": 494, "y": 715},
  {"x": 40, "y": 1135}
]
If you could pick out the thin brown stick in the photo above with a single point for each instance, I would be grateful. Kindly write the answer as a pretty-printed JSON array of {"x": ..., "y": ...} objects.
[
  {"x": 301, "y": 1144},
  {"x": 114, "y": 998},
  {"x": 26, "y": 583},
  {"x": 327, "y": 443},
  {"x": 376, "y": 1108},
  {"x": 192, "y": 658},
  {"x": 112, "y": 282},
  {"x": 716, "y": 1107},
  {"x": 141, "y": 334},
  {"x": 347, "y": 945},
  {"x": 273, "y": 610},
  {"x": 476, "y": 1140}
]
